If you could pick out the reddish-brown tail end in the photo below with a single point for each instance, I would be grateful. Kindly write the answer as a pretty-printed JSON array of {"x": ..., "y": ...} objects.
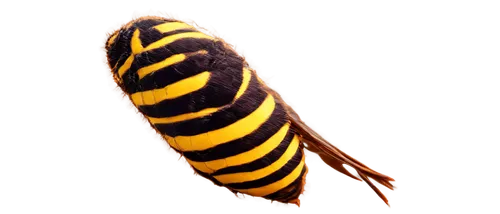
[
  {"x": 335, "y": 158},
  {"x": 382, "y": 185},
  {"x": 331, "y": 155}
]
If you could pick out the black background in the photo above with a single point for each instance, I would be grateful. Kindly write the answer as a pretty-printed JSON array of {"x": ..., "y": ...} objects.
[{"x": 343, "y": 66}]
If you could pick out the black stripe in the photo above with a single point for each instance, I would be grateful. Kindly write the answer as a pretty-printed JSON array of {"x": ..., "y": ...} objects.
[
  {"x": 193, "y": 65},
  {"x": 252, "y": 98},
  {"x": 121, "y": 50},
  {"x": 205, "y": 175},
  {"x": 219, "y": 91},
  {"x": 265, "y": 131},
  {"x": 273, "y": 177},
  {"x": 146, "y": 24},
  {"x": 152, "y": 35},
  {"x": 185, "y": 45},
  {"x": 115, "y": 51},
  {"x": 290, "y": 192},
  {"x": 260, "y": 163}
]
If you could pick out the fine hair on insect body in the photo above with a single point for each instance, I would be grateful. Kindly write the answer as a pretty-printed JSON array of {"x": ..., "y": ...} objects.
[{"x": 211, "y": 107}]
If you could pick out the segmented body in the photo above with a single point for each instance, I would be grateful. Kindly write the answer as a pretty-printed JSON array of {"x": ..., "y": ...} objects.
[{"x": 202, "y": 97}]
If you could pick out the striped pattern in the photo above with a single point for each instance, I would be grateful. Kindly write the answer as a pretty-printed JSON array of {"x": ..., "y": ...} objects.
[{"x": 199, "y": 94}]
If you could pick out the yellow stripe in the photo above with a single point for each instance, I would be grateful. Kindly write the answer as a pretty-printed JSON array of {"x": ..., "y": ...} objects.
[
  {"x": 243, "y": 158},
  {"x": 112, "y": 39},
  {"x": 172, "y": 26},
  {"x": 135, "y": 42},
  {"x": 276, "y": 186},
  {"x": 136, "y": 46},
  {"x": 165, "y": 63},
  {"x": 182, "y": 117},
  {"x": 139, "y": 101},
  {"x": 174, "y": 90},
  {"x": 244, "y": 84},
  {"x": 169, "y": 39},
  {"x": 172, "y": 143},
  {"x": 174, "y": 59},
  {"x": 148, "y": 97},
  {"x": 202, "y": 166},
  {"x": 258, "y": 174},
  {"x": 188, "y": 116},
  {"x": 231, "y": 132},
  {"x": 125, "y": 65}
]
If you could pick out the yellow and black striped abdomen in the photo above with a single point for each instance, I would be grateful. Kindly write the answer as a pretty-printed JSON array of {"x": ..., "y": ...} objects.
[{"x": 202, "y": 97}]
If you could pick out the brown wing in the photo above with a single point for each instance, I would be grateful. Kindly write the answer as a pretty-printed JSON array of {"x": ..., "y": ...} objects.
[{"x": 336, "y": 158}]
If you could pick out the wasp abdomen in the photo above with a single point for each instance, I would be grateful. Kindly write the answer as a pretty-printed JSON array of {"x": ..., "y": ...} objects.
[{"x": 201, "y": 96}]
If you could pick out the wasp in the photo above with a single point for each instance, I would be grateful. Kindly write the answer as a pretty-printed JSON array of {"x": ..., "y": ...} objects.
[{"x": 211, "y": 107}]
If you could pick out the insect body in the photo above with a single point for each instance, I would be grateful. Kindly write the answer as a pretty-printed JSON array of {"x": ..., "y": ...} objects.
[{"x": 212, "y": 108}]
